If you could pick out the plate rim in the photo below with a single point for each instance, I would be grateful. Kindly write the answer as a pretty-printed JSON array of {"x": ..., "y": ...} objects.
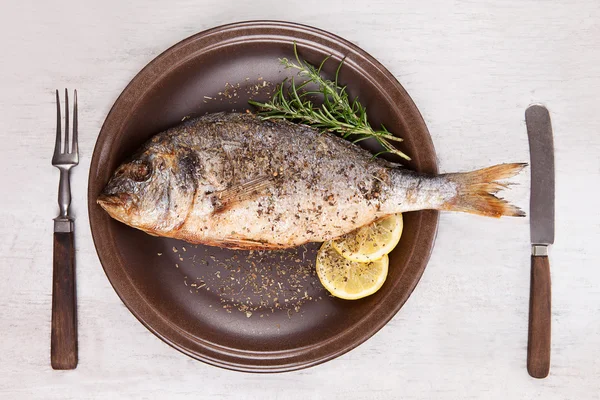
[{"x": 236, "y": 359}]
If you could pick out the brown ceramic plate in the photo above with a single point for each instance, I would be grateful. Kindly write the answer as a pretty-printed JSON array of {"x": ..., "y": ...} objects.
[{"x": 260, "y": 311}]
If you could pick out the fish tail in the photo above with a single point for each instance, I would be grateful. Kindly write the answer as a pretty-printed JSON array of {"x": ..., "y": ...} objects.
[{"x": 476, "y": 191}]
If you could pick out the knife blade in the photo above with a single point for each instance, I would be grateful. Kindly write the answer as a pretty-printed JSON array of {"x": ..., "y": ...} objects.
[{"x": 541, "y": 149}]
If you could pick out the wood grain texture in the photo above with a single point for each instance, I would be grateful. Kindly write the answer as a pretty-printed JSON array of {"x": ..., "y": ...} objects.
[
  {"x": 472, "y": 68},
  {"x": 63, "y": 340},
  {"x": 539, "y": 338}
]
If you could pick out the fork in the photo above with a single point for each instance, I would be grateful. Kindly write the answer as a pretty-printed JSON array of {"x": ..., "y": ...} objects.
[{"x": 63, "y": 343}]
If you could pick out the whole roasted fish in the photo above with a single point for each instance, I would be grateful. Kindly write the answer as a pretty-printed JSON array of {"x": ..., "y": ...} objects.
[{"x": 233, "y": 180}]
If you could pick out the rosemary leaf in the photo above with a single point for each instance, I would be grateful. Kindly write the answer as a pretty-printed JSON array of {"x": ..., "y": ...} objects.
[{"x": 337, "y": 113}]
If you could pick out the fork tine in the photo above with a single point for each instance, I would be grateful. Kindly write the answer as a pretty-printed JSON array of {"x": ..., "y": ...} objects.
[
  {"x": 58, "y": 129},
  {"x": 66, "y": 122},
  {"x": 75, "y": 148}
]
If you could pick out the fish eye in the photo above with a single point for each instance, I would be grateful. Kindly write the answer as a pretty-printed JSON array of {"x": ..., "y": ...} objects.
[{"x": 140, "y": 171}]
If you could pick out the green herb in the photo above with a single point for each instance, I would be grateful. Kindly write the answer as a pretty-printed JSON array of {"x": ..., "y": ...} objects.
[{"x": 337, "y": 113}]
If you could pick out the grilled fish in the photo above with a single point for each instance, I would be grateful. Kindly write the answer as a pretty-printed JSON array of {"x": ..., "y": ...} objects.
[{"x": 233, "y": 180}]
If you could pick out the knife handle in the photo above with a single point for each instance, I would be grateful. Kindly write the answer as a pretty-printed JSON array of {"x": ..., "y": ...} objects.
[
  {"x": 63, "y": 343},
  {"x": 538, "y": 346}
]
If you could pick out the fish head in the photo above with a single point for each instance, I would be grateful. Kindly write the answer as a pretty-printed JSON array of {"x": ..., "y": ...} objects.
[{"x": 153, "y": 192}]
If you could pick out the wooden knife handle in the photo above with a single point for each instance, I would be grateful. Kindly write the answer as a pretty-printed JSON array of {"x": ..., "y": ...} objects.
[
  {"x": 538, "y": 346},
  {"x": 63, "y": 344}
]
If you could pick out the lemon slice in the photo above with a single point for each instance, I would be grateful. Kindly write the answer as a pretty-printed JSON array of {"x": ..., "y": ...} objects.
[
  {"x": 347, "y": 279},
  {"x": 371, "y": 242}
]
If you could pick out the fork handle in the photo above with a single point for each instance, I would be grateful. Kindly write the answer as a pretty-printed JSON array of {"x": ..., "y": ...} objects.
[{"x": 63, "y": 344}]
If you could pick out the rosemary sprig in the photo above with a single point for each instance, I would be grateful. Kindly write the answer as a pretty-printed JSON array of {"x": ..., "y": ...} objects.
[{"x": 337, "y": 113}]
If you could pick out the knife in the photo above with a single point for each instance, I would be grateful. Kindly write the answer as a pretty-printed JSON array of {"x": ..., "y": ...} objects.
[{"x": 541, "y": 149}]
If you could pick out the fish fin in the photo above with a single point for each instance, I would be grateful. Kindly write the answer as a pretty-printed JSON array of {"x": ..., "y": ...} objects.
[
  {"x": 226, "y": 242},
  {"x": 246, "y": 244},
  {"x": 476, "y": 191},
  {"x": 224, "y": 199}
]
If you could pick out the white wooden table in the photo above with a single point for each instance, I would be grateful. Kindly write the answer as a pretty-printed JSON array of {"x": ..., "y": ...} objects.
[{"x": 472, "y": 67}]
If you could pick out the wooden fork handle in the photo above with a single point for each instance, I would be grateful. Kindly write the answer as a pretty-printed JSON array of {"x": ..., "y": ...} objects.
[
  {"x": 538, "y": 346},
  {"x": 63, "y": 344}
]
